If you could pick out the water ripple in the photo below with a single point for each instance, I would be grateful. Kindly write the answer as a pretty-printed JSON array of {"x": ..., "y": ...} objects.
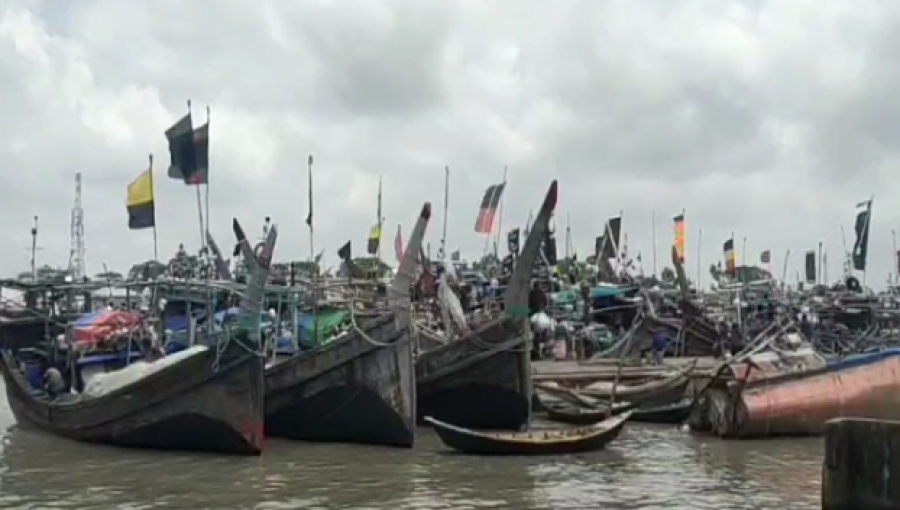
[{"x": 648, "y": 468}]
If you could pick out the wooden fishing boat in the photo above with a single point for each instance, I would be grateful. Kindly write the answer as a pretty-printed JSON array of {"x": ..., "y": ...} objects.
[
  {"x": 358, "y": 388},
  {"x": 662, "y": 391},
  {"x": 211, "y": 400},
  {"x": 534, "y": 442},
  {"x": 673, "y": 413},
  {"x": 482, "y": 380},
  {"x": 574, "y": 415}
]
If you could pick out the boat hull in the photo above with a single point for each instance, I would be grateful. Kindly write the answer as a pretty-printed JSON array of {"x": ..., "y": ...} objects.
[
  {"x": 536, "y": 442},
  {"x": 801, "y": 404},
  {"x": 351, "y": 390},
  {"x": 199, "y": 404},
  {"x": 481, "y": 381}
]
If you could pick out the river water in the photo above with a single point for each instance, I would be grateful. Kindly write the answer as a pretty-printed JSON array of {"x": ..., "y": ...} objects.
[{"x": 649, "y": 467}]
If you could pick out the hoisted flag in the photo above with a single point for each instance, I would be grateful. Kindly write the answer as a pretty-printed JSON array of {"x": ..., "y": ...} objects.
[
  {"x": 810, "y": 266},
  {"x": 484, "y": 223},
  {"x": 861, "y": 246},
  {"x": 374, "y": 239},
  {"x": 140, "y": 201},
  {"x": 730, "y": 261},
  {"x": 679, "y": 237},
  {"x": 398, "y": 245}
]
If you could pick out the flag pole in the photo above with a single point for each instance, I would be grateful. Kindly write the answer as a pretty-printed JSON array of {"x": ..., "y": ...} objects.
[
  {"x": 380, "y": 220},
  {"x": 699, "y": 266},
  {"x": 653, "y": 237},
  {"x": 819, "y": 272},
  {"x": 206, "y": 195},
  {"x": 197, "y": 191},
  {"x": 895, "y": 257},
  {"x": 866, "y": 231},
  {"x": 442, "y": 251},
  {"x": 153, "y": 194},
  {"x": 312, "y": 253},
  {"x": 500, "y": 215}
]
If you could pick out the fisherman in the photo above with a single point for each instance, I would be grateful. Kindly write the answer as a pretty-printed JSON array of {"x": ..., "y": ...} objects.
[
  {"x": 537, "y": 300},
  {"x": 660, "y": 342},
  {"x": 806, "y": 326},
  {"x": 588, "y": 316},
  {"x": 54, "y": 384}
]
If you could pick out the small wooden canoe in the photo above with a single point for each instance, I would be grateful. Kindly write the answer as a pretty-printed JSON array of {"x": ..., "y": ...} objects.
[
  {"x": 582, "y": 415},
  {"x": 535, "y": 442}
]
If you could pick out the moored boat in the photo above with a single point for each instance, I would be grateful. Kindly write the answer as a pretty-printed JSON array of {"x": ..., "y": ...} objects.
[
  {"x": 660, "y": 391},
  {"x": 573, "y": 415},
  {"x": 482, "y": 380},
  {"x": 672, "y": 413},
  {"x": 358, "y": 388},
  {"x": 206, "y": 399},
  {"x": 800, "y": 403},
  {"x": 532, "y": 442}
]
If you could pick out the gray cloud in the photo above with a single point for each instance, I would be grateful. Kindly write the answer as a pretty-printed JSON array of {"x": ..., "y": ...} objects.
[{"x": 766, "y": 119}]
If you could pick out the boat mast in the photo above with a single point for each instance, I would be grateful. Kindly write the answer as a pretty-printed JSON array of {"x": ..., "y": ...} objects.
[
  {"x": 500, "y": 217},
  {"x": 442, "y": 251},
  {"x": 34, "y": 249}
]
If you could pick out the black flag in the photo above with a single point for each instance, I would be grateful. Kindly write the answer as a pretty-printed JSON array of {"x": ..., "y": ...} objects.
[
  {"x": 182, "y": 149},
  {"x": 345, "y": 252},
  {"x": 512, "y": 241},
  {"x": 612, "y": 234},
  {"x": 810, "y": 266},
  {"x": 861, "y": 246}
]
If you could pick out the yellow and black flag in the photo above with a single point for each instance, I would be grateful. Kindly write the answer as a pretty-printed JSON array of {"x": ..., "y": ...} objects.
[
  {"x": 679, "y": 237},
  {"x": 730, "y": 261},
  {"x": 374, "y": 241},
  {"x": 140, "y": 201}
]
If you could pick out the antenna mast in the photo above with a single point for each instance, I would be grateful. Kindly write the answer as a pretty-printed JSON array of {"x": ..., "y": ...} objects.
[{"x": 76, "y": 253}]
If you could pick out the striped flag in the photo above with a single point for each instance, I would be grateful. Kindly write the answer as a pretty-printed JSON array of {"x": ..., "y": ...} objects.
[
  {"x": 484, "y": 224},
  {"x": 398, "y": 245}
]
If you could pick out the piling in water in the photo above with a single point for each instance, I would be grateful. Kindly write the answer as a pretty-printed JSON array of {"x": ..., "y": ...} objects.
[{"x": 861, "y": 470}]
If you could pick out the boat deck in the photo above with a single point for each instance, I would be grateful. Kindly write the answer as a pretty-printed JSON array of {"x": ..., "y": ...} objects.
[{"x": 546, "y": 370}]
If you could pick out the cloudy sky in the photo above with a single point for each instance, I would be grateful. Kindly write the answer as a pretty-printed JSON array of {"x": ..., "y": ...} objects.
[{"x": 767, "y": 119}]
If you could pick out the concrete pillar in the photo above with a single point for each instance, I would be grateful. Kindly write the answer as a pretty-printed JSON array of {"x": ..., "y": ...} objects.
[{"x": 861, "y": 470}]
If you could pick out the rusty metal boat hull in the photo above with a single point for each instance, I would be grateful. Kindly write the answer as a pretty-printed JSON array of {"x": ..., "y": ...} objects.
[{"x": 800, "y": 404}]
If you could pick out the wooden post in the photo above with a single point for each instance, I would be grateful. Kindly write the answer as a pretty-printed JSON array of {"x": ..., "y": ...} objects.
[{"x": 861, "y": 470}]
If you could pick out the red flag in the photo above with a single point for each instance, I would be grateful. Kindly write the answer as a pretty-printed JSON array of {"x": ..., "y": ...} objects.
[
  {"x": 398, "y": 245},
  {"x": 484, "y": 223}
]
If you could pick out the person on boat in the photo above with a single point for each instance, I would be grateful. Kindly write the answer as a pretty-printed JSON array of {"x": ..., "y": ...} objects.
[
  {"x": 54, "y": 384},
  {"x": 537, "y": 299},
  {"x": 660, "y": 342},
  {"x": 806, "y": 326},
  {"x": 588, "y": 313}
]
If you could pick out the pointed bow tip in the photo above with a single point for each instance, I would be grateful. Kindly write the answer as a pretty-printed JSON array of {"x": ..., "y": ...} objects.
[
  {"x": 552, "y": 196},
  {"x": 426, "y": 211}
]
